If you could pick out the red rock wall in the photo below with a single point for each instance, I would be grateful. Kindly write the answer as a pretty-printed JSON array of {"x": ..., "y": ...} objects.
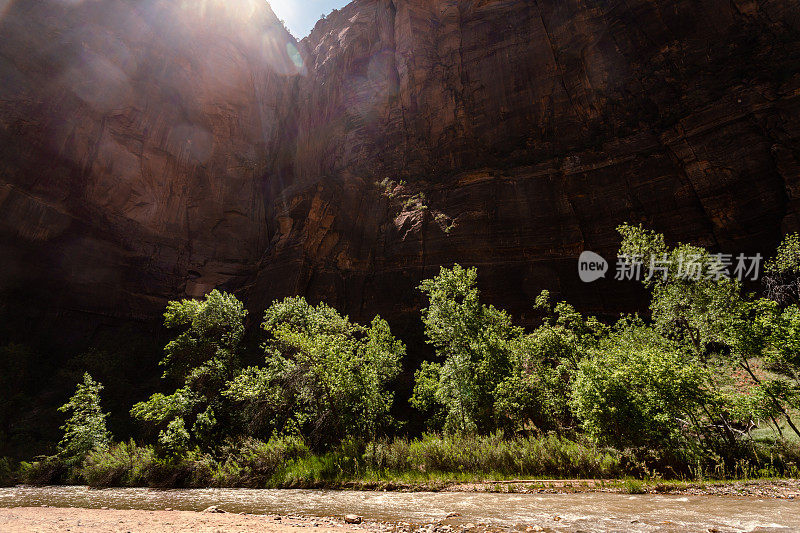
[
  {"x": 135, "y": 140},
  {"x": 532, "y": 128}
]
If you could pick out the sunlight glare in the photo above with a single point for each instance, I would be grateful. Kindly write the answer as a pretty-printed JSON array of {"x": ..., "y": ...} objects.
[
  {"x": 294, "y": 55},
  {"x": 242, "y": 10},
  {"x": 283, "y": 9}
]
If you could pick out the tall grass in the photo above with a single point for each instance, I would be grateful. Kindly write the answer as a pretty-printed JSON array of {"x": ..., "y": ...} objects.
[
  {"x": 256, "y": 464},
  {"x": 427, "y": 462},
  {"x": 288, "y": 462},
  {"x": 124, "y": 464},
  {"x": 549, "y": 455}
]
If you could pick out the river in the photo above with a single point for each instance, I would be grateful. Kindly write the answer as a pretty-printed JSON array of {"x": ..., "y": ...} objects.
[{"x": 558, "y": 512}]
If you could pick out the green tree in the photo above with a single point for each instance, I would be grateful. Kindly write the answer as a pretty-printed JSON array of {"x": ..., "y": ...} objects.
[
  {"x": 700, "y": 307},
  {"x": 770, "y": 336},
  {"x": 203, "y": 357},
  {"x": 638, "y": 388},
  {"x": 477, "y": 349},
  {"x": 781, "y": 320},
  {"x": 325, "y": 377},
  {"x": 782, "y": 272},
  {"x": 692, "y": 301},
  {"x": 85, "y": 430}
]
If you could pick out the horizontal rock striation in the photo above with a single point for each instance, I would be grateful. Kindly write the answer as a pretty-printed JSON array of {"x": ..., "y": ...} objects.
[
  {"x": 135, "y": 139},
  {"x": 513, "y": 135},
  {"x": 156, "y": 149}
]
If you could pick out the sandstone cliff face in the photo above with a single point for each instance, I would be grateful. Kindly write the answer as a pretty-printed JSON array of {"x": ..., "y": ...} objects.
[
  {"x": 151, "y": 152},
  {"x": 532, "y": 129},
  {"x": 135, "y": 136}
]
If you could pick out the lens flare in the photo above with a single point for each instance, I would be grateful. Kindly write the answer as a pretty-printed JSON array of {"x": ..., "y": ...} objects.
[{"x": 294, "y": 55}]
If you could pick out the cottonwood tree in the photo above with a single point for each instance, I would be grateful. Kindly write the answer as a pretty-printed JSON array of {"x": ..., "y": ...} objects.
[
  {"x": 325, "y": 377},
  {"x": 638, "y": 388},
  {"x": 707, "y": 313},
  {"x": 477, "y": 349},
  {"x": 203, "y": 357}
]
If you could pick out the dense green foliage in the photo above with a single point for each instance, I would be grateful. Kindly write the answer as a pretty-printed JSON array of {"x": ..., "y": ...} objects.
[
  {"x": 85, "y": 430},
  {"x": 711, "y": 364},
  {"x": 203, "y": 357},
  {"x": 325, "y": 377},
  {"x": 706, "y": 384},
  {"x": 477, "y": 346},
  {"x": 637, "y": 388},
  {"x": 723, "y": 328}
]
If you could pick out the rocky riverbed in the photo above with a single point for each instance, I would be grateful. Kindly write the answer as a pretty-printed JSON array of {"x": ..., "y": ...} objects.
[
  {"x": 743, "y": 507},
  {"x": 53, "y": 519}
]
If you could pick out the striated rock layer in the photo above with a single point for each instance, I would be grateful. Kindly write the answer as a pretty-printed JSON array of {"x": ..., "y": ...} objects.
[
  {"x": 154, "y": 149},
  {"x": 532, "y": 129},
  {"x": 136, "y": 140}
]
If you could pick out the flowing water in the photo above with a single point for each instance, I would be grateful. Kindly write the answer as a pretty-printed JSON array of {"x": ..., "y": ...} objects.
[{"x": 556, "y": 512}]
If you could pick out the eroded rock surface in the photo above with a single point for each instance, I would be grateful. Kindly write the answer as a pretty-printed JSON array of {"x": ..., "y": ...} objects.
[
  {"x": 524, "y": 133},
  {"x": 136, "y": 136},
  {"x": 154, "y": 149}
]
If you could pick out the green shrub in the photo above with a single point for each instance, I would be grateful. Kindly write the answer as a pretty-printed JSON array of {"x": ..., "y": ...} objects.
[
  {"x": 46, "y": 471},
  {"x": 128, "y": 465},
  {"x": 255, "y": 463},
  {"x": 171, "y": 472},
  {"x": 325, "y": 377},
  {"x": 7, "y": 474},
  {"x": 122, "y": 465},
  {"x": 635, "y": 388}
]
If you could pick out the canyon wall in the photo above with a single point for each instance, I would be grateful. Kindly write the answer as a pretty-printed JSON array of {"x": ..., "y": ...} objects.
[
  {"x": 136, "y": 137},
  {"x": 512, "y": 135},
  {"x": 157, "y": 149}
]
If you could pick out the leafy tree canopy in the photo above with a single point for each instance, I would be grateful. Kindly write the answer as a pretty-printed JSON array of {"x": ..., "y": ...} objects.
[
  {"x": 325, "y": 377},
  {"x": 204, "y": 356},
  {"x": 85, "y": 429}
]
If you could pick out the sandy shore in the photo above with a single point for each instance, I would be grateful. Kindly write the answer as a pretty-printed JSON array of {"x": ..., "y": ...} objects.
[{"x": 52, "y": 519}]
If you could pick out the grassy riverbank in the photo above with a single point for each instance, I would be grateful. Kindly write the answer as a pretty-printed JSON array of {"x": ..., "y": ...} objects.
[
  {"x": 707, "y": 387},
  {"x": 433, "y": 462}
]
